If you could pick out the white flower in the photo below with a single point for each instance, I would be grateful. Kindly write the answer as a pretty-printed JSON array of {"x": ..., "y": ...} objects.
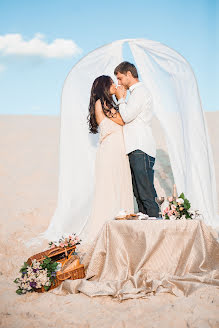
[
  {"x": 180, "y": 200},
  {"x": 183, "y": 217},
  {"x": 172, "y": 217},
  {"x": 59, "y": 266},
  {"x": 36, "y": 265}
]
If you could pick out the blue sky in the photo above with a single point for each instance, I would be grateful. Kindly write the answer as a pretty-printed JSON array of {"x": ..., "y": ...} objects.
[{"x": 31, "y": 77}]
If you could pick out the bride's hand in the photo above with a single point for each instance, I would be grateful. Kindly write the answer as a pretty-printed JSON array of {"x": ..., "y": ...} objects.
[{"x": 120, "y": 92}]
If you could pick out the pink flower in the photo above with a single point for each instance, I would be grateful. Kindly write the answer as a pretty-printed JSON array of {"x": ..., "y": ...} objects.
[
  {"x": 53, "y": 246},
  {"x": 166, "y": 210},
  {"x": 170, "y": 199},
  {"x": 61, "y": 244},
  {"x": 66, "y": 244},
  {"x": 170, "y": 212},
  {"x": 70, "y": 237},
  {"x": 173, "y": 207}
]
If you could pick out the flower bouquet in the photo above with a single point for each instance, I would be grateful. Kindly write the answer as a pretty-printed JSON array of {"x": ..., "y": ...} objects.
[
  {"x": 179, "y": 208},
  {"x": 37, "y": 276},
  {"x": 66, "y": 241}
]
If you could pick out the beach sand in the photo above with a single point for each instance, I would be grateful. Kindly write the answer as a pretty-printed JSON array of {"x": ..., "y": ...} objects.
[{"x": 29, "y": 148}]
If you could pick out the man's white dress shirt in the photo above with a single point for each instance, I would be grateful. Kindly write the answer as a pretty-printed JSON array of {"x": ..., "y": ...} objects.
[{"x": 137, "y": 114}]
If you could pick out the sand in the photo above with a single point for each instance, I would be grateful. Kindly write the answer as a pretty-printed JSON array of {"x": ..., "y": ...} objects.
[{"x": 28, "y": 194}]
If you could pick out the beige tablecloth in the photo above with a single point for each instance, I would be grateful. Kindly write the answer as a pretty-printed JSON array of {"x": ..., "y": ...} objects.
[{"x": 131, "y": 259}]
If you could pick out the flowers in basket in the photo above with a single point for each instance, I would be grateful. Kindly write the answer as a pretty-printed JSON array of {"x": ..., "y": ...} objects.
[
  {"x": 66, "y": 241},
  {"x": 179, "y": 208},
  {"x": 37, "y": 275}
]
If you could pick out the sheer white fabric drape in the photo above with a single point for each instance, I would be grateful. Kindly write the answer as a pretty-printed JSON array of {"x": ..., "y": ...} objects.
[{"x": 177, "y": 105}]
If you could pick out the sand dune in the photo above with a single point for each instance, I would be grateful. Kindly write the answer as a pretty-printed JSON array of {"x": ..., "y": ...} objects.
[{"x": 28, "y": 193}]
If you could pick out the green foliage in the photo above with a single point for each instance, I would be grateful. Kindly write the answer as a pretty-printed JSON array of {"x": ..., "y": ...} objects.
[
  {"x": 187, "y": 204},
  {"x": 182, "y": 196},
  {"x": 24, "y": 267},
  {"x": 46, "y": 287},
  {"x": 187, "y": 215},
  {"x": 49, "y": 264}
]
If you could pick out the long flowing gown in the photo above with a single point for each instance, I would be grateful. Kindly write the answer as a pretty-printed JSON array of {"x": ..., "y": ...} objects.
[{"x": 113, "y": 183}]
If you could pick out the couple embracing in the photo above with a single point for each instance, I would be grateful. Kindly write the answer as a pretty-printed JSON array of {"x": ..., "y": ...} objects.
[{"x": 126, "y": 151}]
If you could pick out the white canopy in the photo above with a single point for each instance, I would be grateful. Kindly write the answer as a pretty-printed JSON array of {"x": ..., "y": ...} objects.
[{"x": 177, "y": 105}]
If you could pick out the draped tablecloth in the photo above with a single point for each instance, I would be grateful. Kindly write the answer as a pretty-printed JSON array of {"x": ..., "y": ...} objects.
[{"x": 136, "y": 258}]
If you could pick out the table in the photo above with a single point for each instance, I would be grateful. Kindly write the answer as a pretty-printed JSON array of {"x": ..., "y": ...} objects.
[{"x": 136, "y": 258}]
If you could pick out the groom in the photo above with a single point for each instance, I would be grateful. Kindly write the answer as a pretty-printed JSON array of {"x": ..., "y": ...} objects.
[{"x": 139, "y": 141}]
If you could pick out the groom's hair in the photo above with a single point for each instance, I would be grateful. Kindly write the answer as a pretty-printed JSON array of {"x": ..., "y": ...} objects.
[{"x": 125, "y": 67}]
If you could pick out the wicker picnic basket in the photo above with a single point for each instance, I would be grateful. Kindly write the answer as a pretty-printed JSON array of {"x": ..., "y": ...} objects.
[
  {"x": 65, "y": 273},
  {"x": 64, "y": 255},
  {"x": 57, "y": 254}
]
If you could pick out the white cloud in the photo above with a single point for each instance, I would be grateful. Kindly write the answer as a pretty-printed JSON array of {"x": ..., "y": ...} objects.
[{"x": 14, "y": 44}]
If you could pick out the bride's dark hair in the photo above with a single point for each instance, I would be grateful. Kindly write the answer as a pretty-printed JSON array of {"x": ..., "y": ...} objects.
[{"x": 100, "y": 90}]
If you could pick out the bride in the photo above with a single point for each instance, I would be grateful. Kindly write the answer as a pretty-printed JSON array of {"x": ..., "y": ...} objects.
[{"x": 113, "y": 184}]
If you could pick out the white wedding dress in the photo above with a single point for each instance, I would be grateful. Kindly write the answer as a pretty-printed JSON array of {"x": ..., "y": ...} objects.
[{"x": 113, "y": 184}]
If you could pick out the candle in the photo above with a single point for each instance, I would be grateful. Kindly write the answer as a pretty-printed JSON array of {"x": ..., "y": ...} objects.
[{"x": 174, "y": 191}]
